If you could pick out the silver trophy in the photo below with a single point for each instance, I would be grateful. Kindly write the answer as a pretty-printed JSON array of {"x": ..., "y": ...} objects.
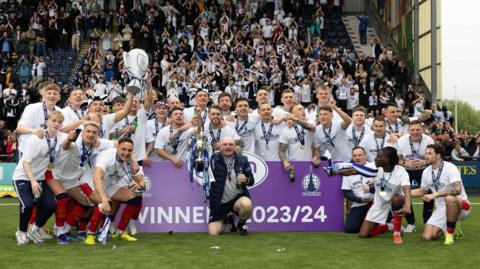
[
  {"x": 136, "y": 66},
  {"x": 201, "y": 142}
]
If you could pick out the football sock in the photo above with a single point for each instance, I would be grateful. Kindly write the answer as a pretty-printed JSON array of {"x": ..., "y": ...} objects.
[
  {"x": 397, "y": 222},
  {"x": 451, "y": 226},
  {"x": 95, "y": 221},
  {"x": 379, "y": 229},
  {"x": 61, "y": 210}
]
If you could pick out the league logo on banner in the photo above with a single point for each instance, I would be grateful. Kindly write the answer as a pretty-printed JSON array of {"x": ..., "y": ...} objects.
[{"x": 314, "y": 203}]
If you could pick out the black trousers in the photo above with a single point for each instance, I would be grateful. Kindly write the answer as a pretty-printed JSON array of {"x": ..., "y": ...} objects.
[
  {"x": 45, "y": 203},
  {"x": 355, "y": 218},
  {"x": 416, "y": 175}
]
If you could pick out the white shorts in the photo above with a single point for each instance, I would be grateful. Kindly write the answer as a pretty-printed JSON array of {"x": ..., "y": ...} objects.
[
  {"x": 89, "y": 181},
  {"x": 439, "y": 216},
  {"x": 378, "y": 213},
  {"x": 69, "y": 183},
  {"x": 111, "y": 189}
]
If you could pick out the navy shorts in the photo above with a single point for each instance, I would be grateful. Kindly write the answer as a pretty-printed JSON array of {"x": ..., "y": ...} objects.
[{"x": 224, "y": 210}]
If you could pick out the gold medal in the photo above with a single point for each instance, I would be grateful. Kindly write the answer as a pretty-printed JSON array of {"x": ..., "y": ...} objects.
[
  {"x": 51, "y": 166},
  {"x": 302, "y": 147},
  {"x": 382, "y": 194},
  {"x": 267, "y": 146}
]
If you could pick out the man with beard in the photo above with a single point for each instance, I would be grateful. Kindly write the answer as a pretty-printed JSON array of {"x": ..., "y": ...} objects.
[
  {"x": 176, "y": 149},
  {"x": 217, "y": 129}
]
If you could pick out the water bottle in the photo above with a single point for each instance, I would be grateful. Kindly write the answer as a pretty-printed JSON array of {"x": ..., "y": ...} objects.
[
  {"x": 114, "y": 135},
  {"x": 239, "y": 185},
  {"x": 291, "y": 175}
]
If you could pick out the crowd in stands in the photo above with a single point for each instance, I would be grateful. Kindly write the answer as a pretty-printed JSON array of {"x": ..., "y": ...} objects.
[{"x": 214, "y": 45}]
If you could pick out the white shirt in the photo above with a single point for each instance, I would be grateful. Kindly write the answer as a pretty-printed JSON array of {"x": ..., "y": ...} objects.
[
  {"x": 405, "y": 149},
  {"x": 372, "y": 145},
  {"x": 140, "y": 135},
  {"x": 270, "y": 153},
  {"x": 398, "y": 127},
  {"x": 448, "y": 176},
  {"x": 267, "y": 31},
  {"x": 312, "y": 115},
  {"x": 392, "y": 182},
  {"x": 70, "y": 166},
  {"x": 33, "y": 117},
  {"x": 100, "y": 89},
  {"x": 107, "y": 122},
  {"x": 306, "y": 93},
  {"x": 153, "y": 128},
  {"x": 340, "y": 149},
  {"x": 279, "y": 112},
  {"x": 352, "y": 100},
  {"x": 70, "y": 115},
  {"x": 188, "y": 114},
  {"x": 162, "y": 142},
  {"x": 356, "y": 137},
  {"x": 355, "y": 184},
  {"x": 216, "y": 135},
  {"x": 114, "y": 170},
  {"x": 246, "y": 131},
  {"x": 295, "y": 150},
  {"x": 36, "y": 153}
]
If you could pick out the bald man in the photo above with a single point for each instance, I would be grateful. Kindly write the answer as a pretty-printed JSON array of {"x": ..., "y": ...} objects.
[{"x": 228, "y": 193}]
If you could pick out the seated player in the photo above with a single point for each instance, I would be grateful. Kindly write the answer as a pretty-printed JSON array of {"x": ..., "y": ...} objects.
[{"x": 451, "y": 201}]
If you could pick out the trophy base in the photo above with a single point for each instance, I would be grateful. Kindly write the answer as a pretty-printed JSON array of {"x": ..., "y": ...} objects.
[
  {"x": 133, "y": 89},
  {"x": 199, "y": 165}
]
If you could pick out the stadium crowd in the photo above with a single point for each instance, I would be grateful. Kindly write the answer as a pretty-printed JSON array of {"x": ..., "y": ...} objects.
[{"x": 260, "y": 72}]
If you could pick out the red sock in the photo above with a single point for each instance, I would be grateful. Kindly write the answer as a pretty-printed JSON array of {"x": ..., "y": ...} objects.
[
  {"x": 86, "y": 189},
  {"x": 70, "y": 205},
  {"x": 137, "y": 211},
  {"x": 397, "y": 223},
  {"x": 33, "y": 216},
  {"x": 379, "y": 229},
  {"x": 61, "y": 211},
  {"x": 128, "y": 212},
  {"x": 95, "y": 220},
  {"x": 82, "y": 226},
  {"x": 75, "y": 214}
]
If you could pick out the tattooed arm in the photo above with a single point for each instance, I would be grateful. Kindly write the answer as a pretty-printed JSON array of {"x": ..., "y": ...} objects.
[
  {"x": 454, "y": 189},
  {"x": 305, "y": 124},
  {"x": 282, "y": 153}
]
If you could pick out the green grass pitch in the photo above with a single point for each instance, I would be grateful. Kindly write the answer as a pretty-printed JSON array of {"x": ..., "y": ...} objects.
[{"x": 258, "y": 250}]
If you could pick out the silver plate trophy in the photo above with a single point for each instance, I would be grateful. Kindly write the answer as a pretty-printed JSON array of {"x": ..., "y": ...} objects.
[{"x": 136, "y": 66}]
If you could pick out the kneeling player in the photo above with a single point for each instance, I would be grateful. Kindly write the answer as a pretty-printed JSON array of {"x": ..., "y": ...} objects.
[
  {"x": 451, "y": 201},
  {"x": 111, "y": 167},
  {"x": 73, "y": 165},
  {"x": 228, "y": 193},
  {"x": 391, "y": 179},
  {"x": 355, "y": 188}
]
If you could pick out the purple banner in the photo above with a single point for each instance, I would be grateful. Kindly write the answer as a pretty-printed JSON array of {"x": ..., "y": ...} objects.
[{"x": 314, "y": 202}]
